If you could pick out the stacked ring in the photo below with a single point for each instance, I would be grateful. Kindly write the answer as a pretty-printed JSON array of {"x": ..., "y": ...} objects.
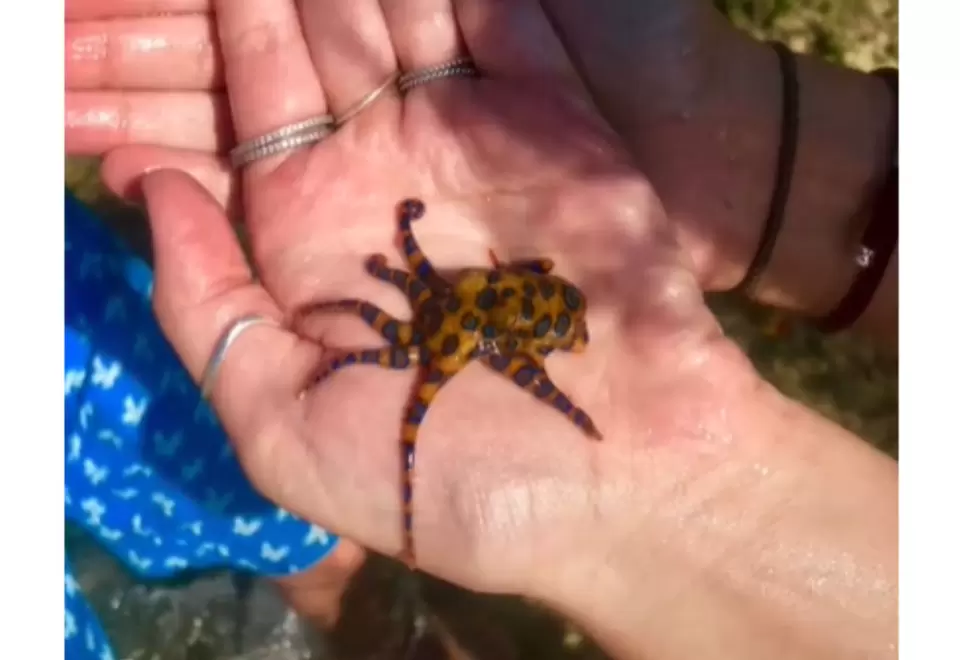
[{"x": 316, "y": 129}]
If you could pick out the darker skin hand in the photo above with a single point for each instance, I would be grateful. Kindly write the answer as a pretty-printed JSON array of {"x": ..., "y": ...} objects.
[{"x": 699, "y": 105}]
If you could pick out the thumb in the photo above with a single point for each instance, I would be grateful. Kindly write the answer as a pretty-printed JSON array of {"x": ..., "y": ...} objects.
[
  {"x": 515, "y": 39},
  {"x": 203, "y": 284}
]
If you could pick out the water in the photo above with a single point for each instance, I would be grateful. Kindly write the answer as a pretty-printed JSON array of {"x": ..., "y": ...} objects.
[
  {"x": 388, "y": 613},
  {"x": 213, "y": 616}
]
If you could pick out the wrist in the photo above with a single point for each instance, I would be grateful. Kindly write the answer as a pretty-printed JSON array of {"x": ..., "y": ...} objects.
[
  {"x": 768, "y": 533},
  {"x": 841, "y": 160}
]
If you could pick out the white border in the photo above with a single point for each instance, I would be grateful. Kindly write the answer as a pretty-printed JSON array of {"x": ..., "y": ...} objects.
[
  {"x": 31, "y": 291},
  {"x": 930, "y": 340},
  {"x": 31, "y": 341}
]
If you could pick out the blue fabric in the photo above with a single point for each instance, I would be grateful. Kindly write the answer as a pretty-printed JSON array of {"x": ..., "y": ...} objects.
[{"x": 149, "y": 472}]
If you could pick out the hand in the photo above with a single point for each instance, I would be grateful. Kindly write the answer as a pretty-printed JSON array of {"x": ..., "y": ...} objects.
[
  {"x": 149, "y": 74},
  {"x": 696, "y": 101},
  {"x": 171, "y": 94},
  {"x": 716, "y": 486},
  {"x": 699, "y": 105},
  {"x": 515, "y": 162},
  {"x": 670, "y": 78},
  {"x": 651, "y": 67}
]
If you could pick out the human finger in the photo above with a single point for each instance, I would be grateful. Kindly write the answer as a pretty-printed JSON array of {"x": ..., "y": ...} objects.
[
  {"x": 203, "y": 284},
  {"x": 269, "y": 76},
  {"x": 123, "y": 169},
  {"x": 514, "y": 39},
  {"x": 156, "y": 53},
  {"x": 350, "y": 47},
  {"x": 96, "y": 121},
  {"x": 424, "y": 32},
  {"x": 76, "y": 10}
]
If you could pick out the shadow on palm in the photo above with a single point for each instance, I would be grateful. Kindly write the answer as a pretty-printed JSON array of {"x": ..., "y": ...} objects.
[
  {"x": 523, "y": 166},
  {"x": 529, "y": 174}
]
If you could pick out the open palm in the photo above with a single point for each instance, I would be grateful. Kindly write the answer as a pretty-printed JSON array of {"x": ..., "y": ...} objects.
[{"x": 515, "y": 162}]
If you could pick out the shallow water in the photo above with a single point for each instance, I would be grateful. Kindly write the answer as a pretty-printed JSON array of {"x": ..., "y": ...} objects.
[
  {"x": 207, "y": 617},
  {"x": 216, "y": 617}
]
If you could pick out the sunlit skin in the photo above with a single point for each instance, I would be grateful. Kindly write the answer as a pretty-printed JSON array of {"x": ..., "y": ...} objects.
[{"x": 509, "y": 318}]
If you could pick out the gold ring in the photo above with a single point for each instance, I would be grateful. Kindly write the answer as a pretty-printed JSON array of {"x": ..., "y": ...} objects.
[{"x": 363, "y": 103}]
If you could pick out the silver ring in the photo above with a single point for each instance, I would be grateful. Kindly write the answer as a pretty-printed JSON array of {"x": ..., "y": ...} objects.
[
  {"x": 462, "y": 66},
  {"x": 363, "y": 103},
  {"x": 287, "y": 137},
  {"x": 229, "y": 336},
  {"x": 279, "y": 145}
]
